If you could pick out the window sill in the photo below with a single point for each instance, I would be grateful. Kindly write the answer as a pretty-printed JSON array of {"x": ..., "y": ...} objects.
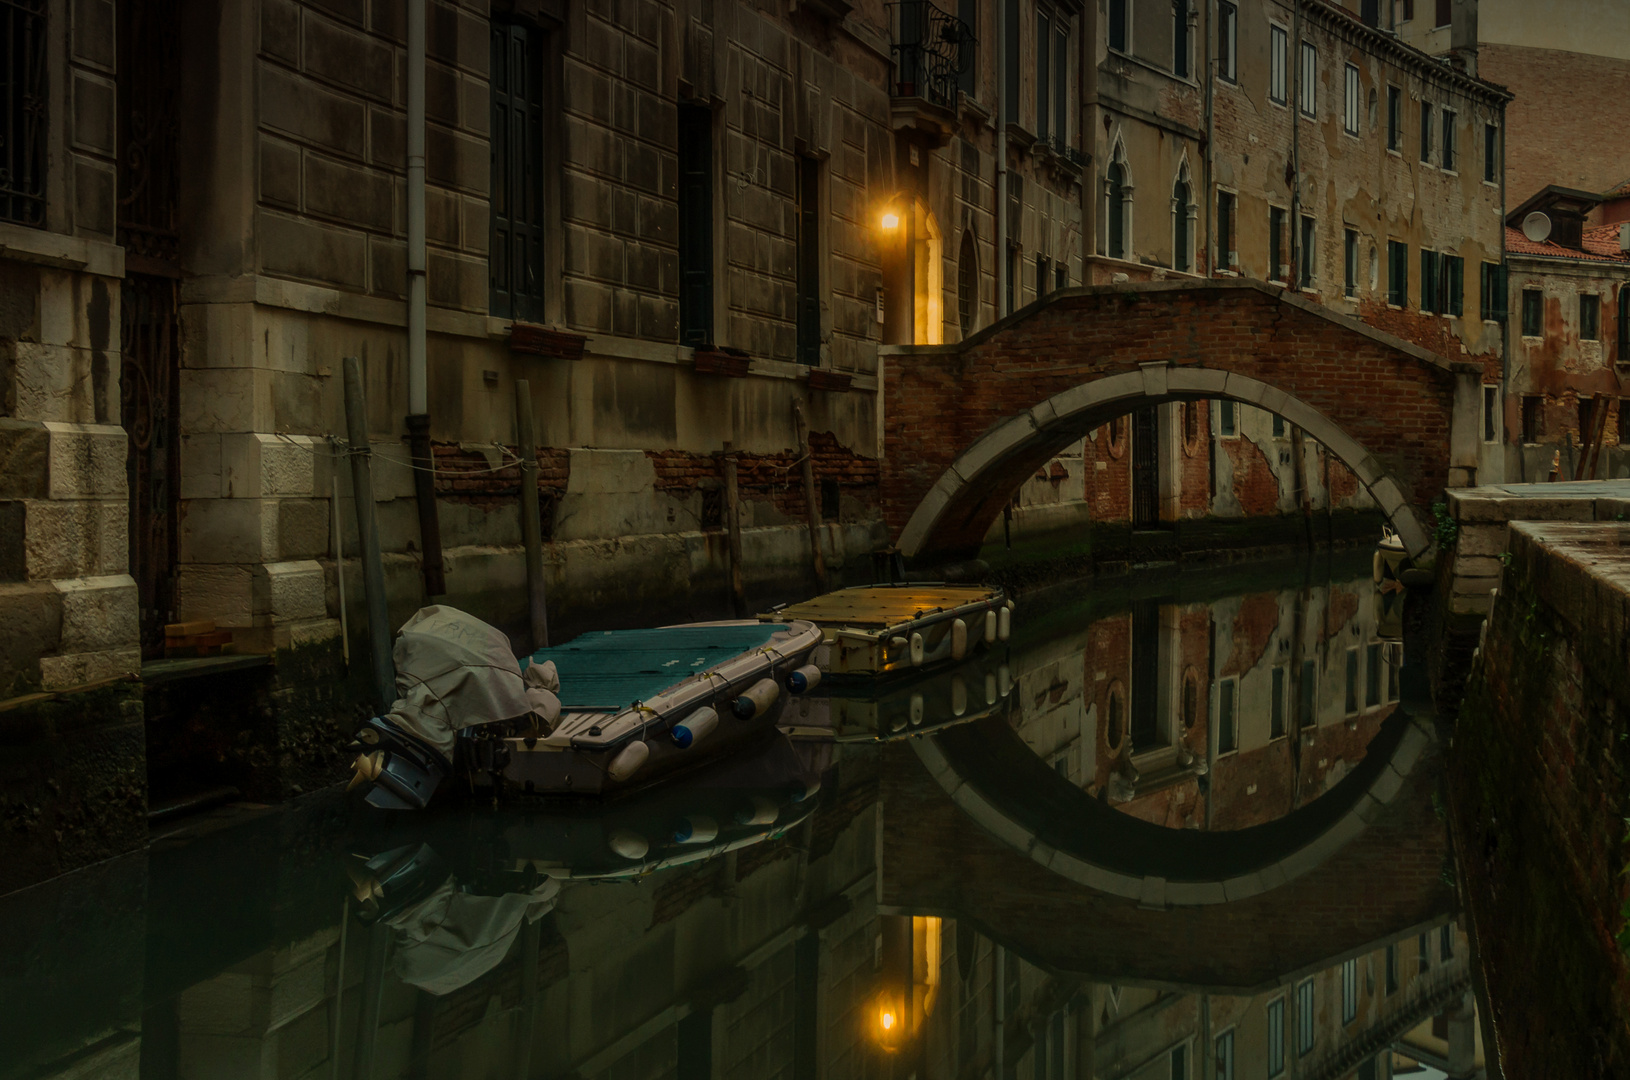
[
  {"x": 45, "y": 248},
  {"x": 1393, "y": 152}
]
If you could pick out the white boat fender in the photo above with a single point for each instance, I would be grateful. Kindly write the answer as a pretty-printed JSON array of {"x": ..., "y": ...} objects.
[
  {"x": 695, "y": 726},
  {"x": 807, "y": 790},
  {"x": 959, "y": 695},
  {"x": 990, "y": 627},
  {"x": 897, "y": 723},
  {"x": 804, "y": 679},
  {"x": 990, "y": 688},
  {"x": 1004, "y": 680},
  {"x": 628, "y": 844},
  {"x": 761, "y": 811},
  {"x": 959, "y": 639},
  {"x": 916, "y": 709},
  {"x": 696, "y": 829},
  {"x": 756, "y": 699},
  {"x": 916, "y": 650},
  {"x": 1004, "y": 623},
  {"x": 628, "y": 761}
]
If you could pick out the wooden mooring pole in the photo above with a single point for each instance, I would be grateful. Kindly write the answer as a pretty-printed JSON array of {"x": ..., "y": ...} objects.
[
  {"x": 531, "y": 524},
  {"x": 732, "y": 515},
  {"x": 373, "y": 569},
  {"x": 812, "y": 506}
]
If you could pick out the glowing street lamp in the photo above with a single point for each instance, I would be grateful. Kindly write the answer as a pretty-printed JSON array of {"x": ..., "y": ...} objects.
[{"x": 891, "y": 220}]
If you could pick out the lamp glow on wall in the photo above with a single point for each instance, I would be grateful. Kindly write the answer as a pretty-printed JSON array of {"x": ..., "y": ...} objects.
[{"x": 911, "y": 976}]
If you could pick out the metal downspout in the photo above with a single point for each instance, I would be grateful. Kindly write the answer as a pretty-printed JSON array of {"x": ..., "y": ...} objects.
[
  {"x": 418, "y": 418},
  {"x": 1001, "y": 160}
]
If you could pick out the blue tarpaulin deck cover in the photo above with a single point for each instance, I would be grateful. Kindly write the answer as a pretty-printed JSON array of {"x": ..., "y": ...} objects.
[{"x": 610, "y": 670}]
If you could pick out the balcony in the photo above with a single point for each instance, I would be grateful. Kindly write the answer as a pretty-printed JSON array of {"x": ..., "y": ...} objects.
[{"x": 932, "y": 51}]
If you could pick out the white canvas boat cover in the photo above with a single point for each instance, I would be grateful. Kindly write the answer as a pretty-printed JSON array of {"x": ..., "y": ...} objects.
[
  {"x": 454, "y": 671},
  {"x": 449, "y": 939}
]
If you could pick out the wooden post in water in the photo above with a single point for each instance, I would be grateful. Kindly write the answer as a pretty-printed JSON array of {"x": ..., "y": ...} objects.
[
  {"x": 812, "y": 507},
  {"x": 732, "y": 516},
  {"x": 373, "y": 570},
  {"x": 531, "y": 524}
]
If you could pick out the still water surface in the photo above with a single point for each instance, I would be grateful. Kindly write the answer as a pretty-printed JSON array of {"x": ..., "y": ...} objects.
[{"x": 1182, "y": 830}]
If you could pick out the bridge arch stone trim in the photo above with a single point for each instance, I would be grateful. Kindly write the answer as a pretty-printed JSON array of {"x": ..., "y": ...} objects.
[
  {"x": 1155, "y": 383},
  {"x": 1153, "y": 891}
]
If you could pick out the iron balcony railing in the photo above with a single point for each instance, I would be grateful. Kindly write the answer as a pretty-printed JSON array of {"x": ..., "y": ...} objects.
[
  {"x": 22, "y": 111},
  {"x": 933, "y": 49}
]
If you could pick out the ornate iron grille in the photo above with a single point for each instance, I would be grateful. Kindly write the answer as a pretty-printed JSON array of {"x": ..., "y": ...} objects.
[
  {"x": 148, "y": 397},
  {"x": 22, "y": 111},
  {"x": 932, "y": 48},
  {"x": 149, "y": 128}
]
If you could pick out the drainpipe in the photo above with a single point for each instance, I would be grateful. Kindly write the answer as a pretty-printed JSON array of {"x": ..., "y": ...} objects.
[
  {"x": 999, "y": 961},
  {"x": 1295, "y": 110},
  {"x": 1209, "y": 161},
  {"x": 418, "y": 418},
  {"x": 1001, "y": 159}
]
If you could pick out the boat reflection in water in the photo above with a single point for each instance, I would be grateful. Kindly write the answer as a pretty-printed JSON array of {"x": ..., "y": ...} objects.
[{"x": 1188, "y": 836}]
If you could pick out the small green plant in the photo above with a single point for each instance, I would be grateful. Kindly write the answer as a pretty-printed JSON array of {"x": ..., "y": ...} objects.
[
  {"x": 1447, "y": 529},
  {"x": 1505, "y": 558}
]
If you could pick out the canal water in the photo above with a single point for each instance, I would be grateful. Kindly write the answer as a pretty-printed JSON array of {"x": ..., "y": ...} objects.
[{"x": 1183, "y": 828}]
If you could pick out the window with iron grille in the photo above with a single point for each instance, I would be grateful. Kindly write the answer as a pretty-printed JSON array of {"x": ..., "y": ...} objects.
[
  {"x": 515, "y": 264},
  {"x": 22, "y": 111}
]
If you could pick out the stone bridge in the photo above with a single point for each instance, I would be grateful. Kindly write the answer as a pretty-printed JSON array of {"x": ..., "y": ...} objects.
[{"x": 963, "y": 425}]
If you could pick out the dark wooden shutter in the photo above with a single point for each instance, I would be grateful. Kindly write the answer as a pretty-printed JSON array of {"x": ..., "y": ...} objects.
[
  {"x": 695, "y": 225},
  {"x": 515, "y": 261}
]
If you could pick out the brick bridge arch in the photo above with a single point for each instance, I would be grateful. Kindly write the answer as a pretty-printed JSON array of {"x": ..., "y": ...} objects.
[{"x": 964, "y": 425}]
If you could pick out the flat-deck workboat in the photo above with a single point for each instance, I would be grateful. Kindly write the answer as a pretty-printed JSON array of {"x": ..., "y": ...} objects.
[{"x": 886, "y": 629}]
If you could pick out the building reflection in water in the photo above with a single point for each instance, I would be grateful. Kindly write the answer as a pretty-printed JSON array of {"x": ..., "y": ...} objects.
[{"x": 756, "y": 922}]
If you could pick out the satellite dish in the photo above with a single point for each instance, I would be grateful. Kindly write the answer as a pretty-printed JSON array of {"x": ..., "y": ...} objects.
[{"x": 1537, "y": 227}]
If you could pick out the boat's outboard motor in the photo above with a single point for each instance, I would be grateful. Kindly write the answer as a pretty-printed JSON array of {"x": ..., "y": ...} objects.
[
  {"x": 404, "y": 772},
  {"x": 391, "y": 880}
]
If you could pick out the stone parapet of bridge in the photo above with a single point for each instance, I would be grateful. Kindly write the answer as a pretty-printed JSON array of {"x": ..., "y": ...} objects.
[{"x": 963, "y": 425}]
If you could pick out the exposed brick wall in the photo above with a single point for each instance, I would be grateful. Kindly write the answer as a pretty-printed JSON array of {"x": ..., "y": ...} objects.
[
  {"x": 1394, "y": 404},
  {"x": 1548, "y": 139},
  {"x": 469, "y": 476},
  {"x": 1256, "y": 483},
  {"x": 777, "y": 478},
  {"x": 1541, "y": 790}
]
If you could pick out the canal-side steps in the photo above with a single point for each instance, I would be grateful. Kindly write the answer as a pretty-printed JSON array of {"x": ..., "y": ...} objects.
[
  {"x": 1473, "y": 538},
  {"x": 604, "y": 713}
]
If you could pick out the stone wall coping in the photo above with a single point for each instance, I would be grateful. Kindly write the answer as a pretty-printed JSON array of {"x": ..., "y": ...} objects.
[
  {"x": 45, "y": 248},
  {"x": 1237, "y": 285}
]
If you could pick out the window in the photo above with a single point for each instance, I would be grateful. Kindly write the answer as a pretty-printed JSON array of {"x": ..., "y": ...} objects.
[
  {"x": 967, "y": 284},
  {"x": 1276, "y": 1036},
  {"x": 1425, "y": 953},
  {"x": 1277, "y": 269},
  {"x": 1409, "y": 10},
  {"x": 1010, "y": 91},
  {"x": 1180, "y": 38},
  {"x": 1350, "y": 263},
  {"x": 1224, "y": 1069},
  {"x": 23, "y": 102},
  {"x": 1226, "y": 413},
  {"x": 1450, "y": 153},
  {"x": 1307, "y": 89},
  {"x": 1227, "y": 728},
  {"x": 1305, "y": 257},
  {"x": 1492, "y": 300},
  {"x": 1429, "y": 281},
  {"x": 1395, "y": 118},
  {"x": 1491, "y": 414},
  {"x": 1491, "y": 154},
  {"x": 1052, "y": 76},
  {"x": 1394, "y": 662},
  {"x": 1352, "y": 102},
  {"x": 1278, "y": 62},
  {"x": 1227, "y": 42},
  {"x": 1590, "y": 317},
  {"x": 1369, "y": 12},
  {"x": 1182, "y": 227},
  {"x": 809, "y": 260},
  {"x": 1117, "y": 25},
  {"x": 1426, "y": 133},
  {"x": 1228, "y": 257},
  {"x": 1061, "y": 275},
  {"x": 1397, "y": 273},
  {"x": 1276, "y": 719},
  {"x": 1116, "y": 219},
  {"x": 1392, "y": 969},
  {"x": 1446, "y": 942},
  {"x": 1443, "y": 13},
  {"x": 1587, "y": 418},
  {"x": 1012, "y": 277},
  {"x": 515, "y": 267},
  {"x": 1531, "y": 415},
  {"x": 1349, "y": 991},
  {"x": 1452, "y": 285},
  {"x": 1352, "y": 681},
  {"x": 1304, "y": 1018},
  {"x": 1180, "y": 1062},
  {"x": 695, "y": 225},
  {"x": 1372, "y": 675},
  {"x": 1623, "y": 356},
  {"x": 1310, "y": 693},
  {"x": 1533, "y": 313},
  {"x": 1278, "y": 426}
]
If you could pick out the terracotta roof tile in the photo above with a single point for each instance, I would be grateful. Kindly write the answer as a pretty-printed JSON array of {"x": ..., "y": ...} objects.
[{"x": 1599, "y": 244}]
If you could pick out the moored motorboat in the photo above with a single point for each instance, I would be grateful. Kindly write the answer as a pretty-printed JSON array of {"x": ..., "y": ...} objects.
[
  {"x": 876, "y": 630},
  {"x": 873, "y": 710}
]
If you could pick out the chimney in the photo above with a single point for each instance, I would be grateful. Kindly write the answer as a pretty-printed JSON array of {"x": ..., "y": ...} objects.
[
  {"x": 1624, "y": 236},
  {"x": 1463, "y": 36}
]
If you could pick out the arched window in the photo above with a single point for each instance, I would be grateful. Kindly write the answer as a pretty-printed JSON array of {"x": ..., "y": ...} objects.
[
  {"x": 967, "y": 284},
  {"x": 1117, "y": 210},
  {"x": 1182, "y": 238}
]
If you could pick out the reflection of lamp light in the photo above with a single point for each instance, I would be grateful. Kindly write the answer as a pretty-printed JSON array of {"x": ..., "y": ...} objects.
[
  {"x": 887, "y": 1020},
  {"x": 891, "y": 220}
]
